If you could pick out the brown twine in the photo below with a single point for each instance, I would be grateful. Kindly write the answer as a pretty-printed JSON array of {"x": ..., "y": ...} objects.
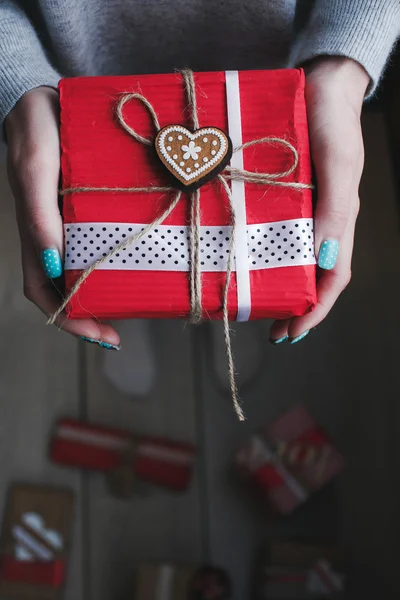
[{"x": 230, "y": 173}]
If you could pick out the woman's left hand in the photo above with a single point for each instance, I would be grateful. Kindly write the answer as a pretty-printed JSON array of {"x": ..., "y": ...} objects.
[{"x": 335, "y": 90}]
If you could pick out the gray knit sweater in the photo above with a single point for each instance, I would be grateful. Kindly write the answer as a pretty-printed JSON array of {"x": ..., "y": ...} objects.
[{"x": 41, "y": 40}]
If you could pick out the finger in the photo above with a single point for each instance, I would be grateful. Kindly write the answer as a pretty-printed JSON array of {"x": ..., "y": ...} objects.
[
  {"x": 338, "y": 163},
  {"x": 279, "y": 331},
  {"x": 330, "y": 285},
  {"x": 42, "y": 292},
  {"x": 34, "y": 172},
  {"x": 47, "y": 300}
]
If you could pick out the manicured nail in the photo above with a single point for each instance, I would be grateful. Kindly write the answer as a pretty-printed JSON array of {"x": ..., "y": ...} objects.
[
  {"x": 328, "y": 254},
  {"x": 279, "y": 340},
  {"x": 51, "y": 261},
  {"x": 299, "y": 337},
  {"x": 105, "y": 345}
]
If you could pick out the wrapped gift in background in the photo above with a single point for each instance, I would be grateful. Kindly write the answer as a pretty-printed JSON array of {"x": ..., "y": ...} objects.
[
  {"x": 301, "y": 571},
  {"x": 120, "y": 454},
  {"x": 289, "y": 460},
  {"x": 35, "y": 540},
  {"x": 274, "y": 227},
  {"x": 163, "y": 581}
]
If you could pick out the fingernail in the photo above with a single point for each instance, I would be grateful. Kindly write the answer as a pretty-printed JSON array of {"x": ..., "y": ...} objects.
[
  {"x": 105, "y": 345},
  {"x": 51, "y": 261},
  {"x": 328, "y": 254},
  {"x": 299, "y": 337},
  {"x": 279, "y": 340}
]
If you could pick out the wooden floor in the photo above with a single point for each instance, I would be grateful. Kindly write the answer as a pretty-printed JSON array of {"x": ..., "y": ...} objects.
[{"x": 346, "y": 372}]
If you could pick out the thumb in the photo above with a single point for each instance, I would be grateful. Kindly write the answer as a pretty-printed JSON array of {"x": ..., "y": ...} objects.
[
  {"x": 33, "y": 167},
  {"x": 338, "y": 164},
  {"x": 37, "y": 210}
]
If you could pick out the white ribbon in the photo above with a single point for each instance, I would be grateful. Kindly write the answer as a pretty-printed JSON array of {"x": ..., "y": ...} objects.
[
  {"x": 24, "y": 537},
  {"x": 257, "y": 454},
  {"x": 238, "y": 197}
]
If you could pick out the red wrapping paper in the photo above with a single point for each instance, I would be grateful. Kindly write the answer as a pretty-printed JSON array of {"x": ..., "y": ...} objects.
[
  {"x": 96, "y": 152},
  {"x": 49, "y": 574},
  {"x": 155, "y": 460}
]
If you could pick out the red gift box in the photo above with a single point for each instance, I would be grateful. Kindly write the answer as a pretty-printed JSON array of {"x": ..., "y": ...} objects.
[
  {"x": 291, "y": 569},
  {"x": 97, "y": 152},
  {"x": 292, "y": 458},
  {"x": 35, "y": 542},
  {"x": 94, "y": 447},
  {"x": 290, "y": 582}
]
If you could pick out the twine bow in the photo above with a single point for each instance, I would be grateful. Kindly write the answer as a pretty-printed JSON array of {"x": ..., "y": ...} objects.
[{"x": 229, "y": 173}]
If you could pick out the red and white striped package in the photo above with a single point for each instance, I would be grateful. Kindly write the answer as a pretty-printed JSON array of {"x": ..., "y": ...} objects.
[
  {"x": 155, "y": 460},
  {"x": 302, "y": 570},
  {"x": 290, "y": 459}
]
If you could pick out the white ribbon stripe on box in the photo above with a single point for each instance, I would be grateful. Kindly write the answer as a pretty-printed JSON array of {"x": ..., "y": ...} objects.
[
  {"x": 238, "y": 196},
  {"x": 118, "y": 443},
  {"x": 269, "y": 245}
]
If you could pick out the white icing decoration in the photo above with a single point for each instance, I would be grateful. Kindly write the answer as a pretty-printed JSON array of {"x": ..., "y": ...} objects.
[
  {"x": 170, "y": 139},
  {"x": 213, "y": 152},
  {"x": 188, "y": 170},
  {"x": 190, "y": 150},
  {"x": 196, "y": 166},
  {"x": 192, "y": 137},
  {"x": 205, "y": 140},
  {"x": 175, "y": 156},
  {"x": 169, "y": 148}
]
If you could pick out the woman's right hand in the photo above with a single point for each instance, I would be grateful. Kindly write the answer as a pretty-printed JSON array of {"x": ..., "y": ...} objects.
[{"x": 33, "y": 160}]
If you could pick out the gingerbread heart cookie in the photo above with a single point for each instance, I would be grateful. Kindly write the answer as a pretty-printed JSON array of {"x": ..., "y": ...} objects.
[{"x": 193, "y": 158}]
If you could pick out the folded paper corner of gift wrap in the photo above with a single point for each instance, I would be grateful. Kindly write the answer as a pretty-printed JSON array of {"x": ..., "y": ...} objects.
[{"x": 274, "y": 270}]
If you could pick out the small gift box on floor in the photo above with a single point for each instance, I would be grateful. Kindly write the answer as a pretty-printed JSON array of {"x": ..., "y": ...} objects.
[
  {"x": 289, "y": 460},
  {"x": 35, "y": 541},
  {"x": 129, "y": 144},
  {"x": 123, "y": 456},
  {"x": 163, "y": 581},
  {"x": 301, "y": 571}
]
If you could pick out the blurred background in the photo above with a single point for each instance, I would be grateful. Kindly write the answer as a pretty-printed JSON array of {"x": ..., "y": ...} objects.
[{"x": 129, "y": 528}]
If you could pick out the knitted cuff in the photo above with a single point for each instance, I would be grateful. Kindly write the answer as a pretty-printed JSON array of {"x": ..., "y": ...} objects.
[
  {"x": 364, "y": 30},
  {"x": 23, "y": 65}
]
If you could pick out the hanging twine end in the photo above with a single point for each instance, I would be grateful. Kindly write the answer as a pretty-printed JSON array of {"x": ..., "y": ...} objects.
[
  {"x": 236, "y": 401},
  {"x": 241, "y": 416},
  {"x": 51, "y": 320}
]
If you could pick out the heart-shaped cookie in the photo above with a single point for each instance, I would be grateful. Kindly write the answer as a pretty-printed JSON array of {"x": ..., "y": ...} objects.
[{"x": 193, "y": 157}]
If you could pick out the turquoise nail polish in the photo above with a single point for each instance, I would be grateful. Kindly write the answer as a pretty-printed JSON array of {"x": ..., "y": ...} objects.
[
  {"x": 280, "y": 340},
  {"x": 299, "y": 337},
  {"x": 328, "y": 254},
  {"x": 105, "y": 345},
  {"x": 51, "y": 261}
]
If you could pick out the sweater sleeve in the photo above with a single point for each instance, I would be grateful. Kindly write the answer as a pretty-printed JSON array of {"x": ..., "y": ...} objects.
[
  {"x": 23, "y": 62},
  {"x": 364, "y": 30}
]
